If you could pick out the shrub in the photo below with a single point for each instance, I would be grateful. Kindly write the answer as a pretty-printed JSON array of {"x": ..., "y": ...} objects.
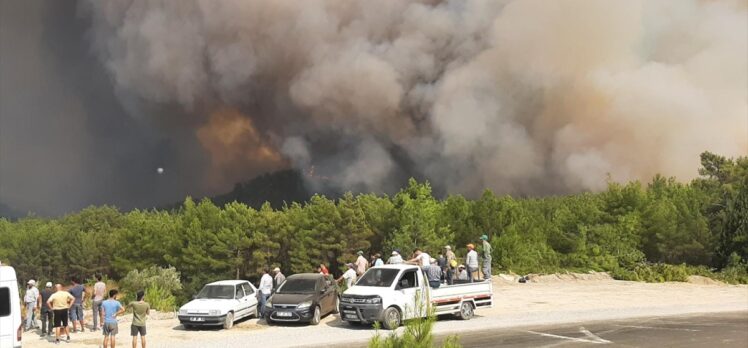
[{"x": 160, "y": 285}]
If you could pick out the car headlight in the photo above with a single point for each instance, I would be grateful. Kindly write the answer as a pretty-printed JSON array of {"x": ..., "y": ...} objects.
[
  {"x": 373, "y": 300},
  {"x": 182, "y": 312},
  {"x": 269, "y": 304},
  {"x": 305, "y": 305},
  {"x": 214, "y": 312}
]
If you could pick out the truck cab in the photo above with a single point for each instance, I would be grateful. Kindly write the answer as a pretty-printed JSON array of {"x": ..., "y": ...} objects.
[{"x": 391, "y": 294}]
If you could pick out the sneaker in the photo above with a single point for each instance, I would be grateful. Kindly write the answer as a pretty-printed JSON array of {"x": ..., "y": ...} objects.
[
  {"x": 68, "y": 340},
  {"x": 57, "y": 341}
]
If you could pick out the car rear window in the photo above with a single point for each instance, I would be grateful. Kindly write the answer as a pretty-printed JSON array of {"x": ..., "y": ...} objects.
[{"x": 4, "y": 302}]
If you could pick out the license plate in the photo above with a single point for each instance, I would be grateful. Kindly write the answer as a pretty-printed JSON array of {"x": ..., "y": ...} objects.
[
  {"x": 283, "y": 314},
  {"x": 197, "y": 319}
]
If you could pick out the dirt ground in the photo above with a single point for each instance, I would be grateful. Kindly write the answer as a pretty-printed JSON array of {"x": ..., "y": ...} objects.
[{"x": 543, "y": 300}]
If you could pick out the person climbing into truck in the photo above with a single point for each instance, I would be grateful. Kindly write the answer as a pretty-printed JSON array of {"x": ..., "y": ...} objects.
[{"x": 420, "y": 258}]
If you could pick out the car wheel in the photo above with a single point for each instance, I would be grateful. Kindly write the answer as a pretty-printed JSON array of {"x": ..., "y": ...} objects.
[
  {"x": 316, "y": 316},
  {"x": 229, "y": 322},
  {"x": 391, "y": 318},
  {"x": 466, "y": 311},
  {"x": 336, "y": 309}
]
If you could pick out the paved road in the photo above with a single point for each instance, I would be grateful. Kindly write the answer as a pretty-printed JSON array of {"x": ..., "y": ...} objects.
[
  {"x": 702, "y": 330},
  {"x": 705, "y": 330}
]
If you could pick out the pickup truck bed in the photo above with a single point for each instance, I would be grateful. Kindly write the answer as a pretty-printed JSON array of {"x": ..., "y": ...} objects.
[{"x": 447, "y": 299}]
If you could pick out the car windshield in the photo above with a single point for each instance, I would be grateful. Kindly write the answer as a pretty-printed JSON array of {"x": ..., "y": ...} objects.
[
  {"x": 225, "y": 292},
  {"x": 298, "y": 286},
  {"x": 381, "y": 277}
]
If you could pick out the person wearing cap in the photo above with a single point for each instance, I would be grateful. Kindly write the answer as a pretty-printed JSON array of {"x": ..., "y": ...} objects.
[
  {"x": 471, "y": 261},
  {"x": 45, "y": 313},
  {"x": 486, "y": 253},
  {"x": 278, "y": 278},
  {"x": 349, "y": 276},
  {"x": 433, "y": 273},
  {"x": 451, "y": 263},
  {"x": 395, "y": 258},
  {"x": 377, "y": 260},
  {"x": 462, "y": 274},
  {"x": 30, "y": 300},
  {"x": 361, "y": 263}
]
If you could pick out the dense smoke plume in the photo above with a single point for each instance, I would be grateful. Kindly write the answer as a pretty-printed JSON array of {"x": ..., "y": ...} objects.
[
  {"x": 523, "y": 97},
  {"x": 519, "y": 96}
]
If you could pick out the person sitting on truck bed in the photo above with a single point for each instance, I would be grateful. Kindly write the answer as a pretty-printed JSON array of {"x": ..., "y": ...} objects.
[
  {"x": 420, "y": 258},
  {"x": 433, "y": 274},
  {"x": 462, "y": 274}
]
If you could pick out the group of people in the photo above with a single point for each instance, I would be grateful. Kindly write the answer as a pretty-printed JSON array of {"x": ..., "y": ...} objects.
[
  {"x": 267, "y": 285},
  {"x": 58, "y": 307},
  {"x": 444, "y": 269}
]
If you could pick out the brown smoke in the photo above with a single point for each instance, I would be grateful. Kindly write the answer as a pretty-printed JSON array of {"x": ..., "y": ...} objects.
[{"x": 522, "y": 96}]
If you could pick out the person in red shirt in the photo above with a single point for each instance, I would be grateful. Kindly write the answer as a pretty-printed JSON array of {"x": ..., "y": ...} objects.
[{"x": 323, "y": 270}]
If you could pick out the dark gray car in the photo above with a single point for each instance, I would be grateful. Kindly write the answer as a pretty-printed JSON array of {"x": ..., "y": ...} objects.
[{"x": 304, "y": 297}]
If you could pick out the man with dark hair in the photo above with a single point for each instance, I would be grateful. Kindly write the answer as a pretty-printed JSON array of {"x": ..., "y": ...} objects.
[
  {"x": 76, "y": 310},
  {"x": 60, "y": 303},
  {"x": 99, "y": 291},
  {"x": 111, "y": 308},
  {"x": 140, "y": 310},
  {"x": 265, "y": 289},
  {"x": 46, "y": 313}
]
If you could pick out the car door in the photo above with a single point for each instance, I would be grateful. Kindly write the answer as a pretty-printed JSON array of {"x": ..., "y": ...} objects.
[
  {"x": 240, "y": 308},
  {"x": 408, "y": 293},
  {"x": 326, "y": 296},
  {"x": 250, "y": 298}
]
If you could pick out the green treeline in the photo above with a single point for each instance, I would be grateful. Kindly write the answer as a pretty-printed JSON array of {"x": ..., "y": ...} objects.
[{"x": 626, "y": 230}]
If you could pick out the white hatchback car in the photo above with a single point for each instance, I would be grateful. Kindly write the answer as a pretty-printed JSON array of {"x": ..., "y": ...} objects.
[{"x": 220, "y": 303}]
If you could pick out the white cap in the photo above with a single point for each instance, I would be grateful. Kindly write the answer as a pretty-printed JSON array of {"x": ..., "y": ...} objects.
[
  {"x": 49, "y": 284},
  {"x": 433, "y": 260},
  {"x": 447, "y": 247},
  {"x": 394, "y": 252},
  {"x": 277, "y": 269},
  {"x": 32, "y": 282}
]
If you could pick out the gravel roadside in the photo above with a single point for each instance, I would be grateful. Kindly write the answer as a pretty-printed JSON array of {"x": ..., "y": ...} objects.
[{"x": 552, "y": 302}]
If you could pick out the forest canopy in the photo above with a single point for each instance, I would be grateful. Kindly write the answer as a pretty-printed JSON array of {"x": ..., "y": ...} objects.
[{"x": 702, "y": 223}]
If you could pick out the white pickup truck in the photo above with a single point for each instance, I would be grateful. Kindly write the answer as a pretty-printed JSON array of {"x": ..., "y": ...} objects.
[{"x": 392, "y": 293}]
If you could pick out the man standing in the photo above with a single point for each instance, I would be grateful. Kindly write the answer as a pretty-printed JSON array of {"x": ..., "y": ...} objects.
[
  {"x": 60, "y": 303},
  {"x": 361, "y": 263},
  {"x": 111, "y": 308},
  {"x": 278, "y": 279},
  {"x": 349, "y": 276},
  {"x": 45, "y": 312},
  {"x": 378, "y": 260},
  {"x": 486, "y": 253},
  {"x": 99, "y": 291},
  {"x": 433, "y": 273},
  {"x": 395, "y": 258},
  {"x": 30, "y": 300},
  {"x": 140, "y": 310},
  {"x": 451, "y": 263},
  {"x": 472, "y": 263},
  {"x": 76, "y": 311},
  {"x": 266, "y": 288}
]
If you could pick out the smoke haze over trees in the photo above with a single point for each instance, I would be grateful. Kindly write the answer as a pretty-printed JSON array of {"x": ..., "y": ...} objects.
[{"x": 521, "y": 97}]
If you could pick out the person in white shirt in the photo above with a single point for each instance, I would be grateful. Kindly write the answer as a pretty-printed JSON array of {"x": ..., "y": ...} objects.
[
  {"x": 98, "y": 297},
  {"x": 395, "y": 258},
  {"x": 361, "y": 264},
  {"x": 30, "y": 299},
  {"x": 420, "y": 258},
  {"x": 349, "y": 276},
  {"x": 265, "y": 289},
  {"x": 472, "y": 263}
]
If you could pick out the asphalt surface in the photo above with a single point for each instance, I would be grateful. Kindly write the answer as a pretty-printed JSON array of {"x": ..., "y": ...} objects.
[{"x": 686, "y": 331}]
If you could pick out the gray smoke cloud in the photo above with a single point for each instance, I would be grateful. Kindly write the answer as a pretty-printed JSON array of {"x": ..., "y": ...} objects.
[{"x": 523, "y": 97}]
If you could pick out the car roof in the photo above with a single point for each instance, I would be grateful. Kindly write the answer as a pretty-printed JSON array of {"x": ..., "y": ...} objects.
[
  {"x": 397, "y": 266},
  {"x": 7, "y": 273},
  {"x": 228, "y": 282},
  {"x": 305, "y": 276}
]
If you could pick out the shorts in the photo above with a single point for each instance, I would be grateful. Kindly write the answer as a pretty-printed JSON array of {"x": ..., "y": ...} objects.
[
  {"x": 61, "y": 318},
  {"x": 76, "y": 312},
  {"x": 110, "y": 329},
  {"x": 135, "y": 330}
]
